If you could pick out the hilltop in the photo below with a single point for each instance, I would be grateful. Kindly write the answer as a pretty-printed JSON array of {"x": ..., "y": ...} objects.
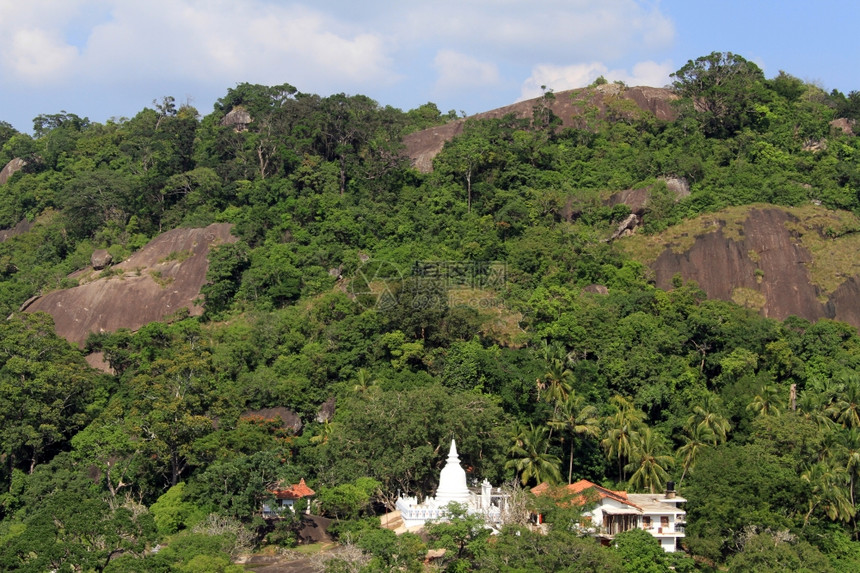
[{"x": 573, "y": 108}]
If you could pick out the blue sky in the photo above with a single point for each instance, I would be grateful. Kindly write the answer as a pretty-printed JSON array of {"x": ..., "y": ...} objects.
[{"x": 110, "y": 58}]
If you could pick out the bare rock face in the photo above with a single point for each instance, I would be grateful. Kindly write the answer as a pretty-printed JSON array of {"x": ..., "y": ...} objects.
[
  {"x": 157, "y": 281},
  {"x": 22, "y": 227},
  {"x": 238, "y": 118},
  {"x": 100, "y": 259},
  {"x": 288, "y": 419},
  {"x": 678, "y": 186},
  {"x": 626, "y": 227},
  {"x": 596, "y": 289},
  {"x": 762, "y": 259},
  {"x": 842, "y": 124},
  {"x": 326, "y": 411},
  {"x": 423, "y": 146},
  {"x": 10, "y": 169},
  {"x": 637, "y": 199}
]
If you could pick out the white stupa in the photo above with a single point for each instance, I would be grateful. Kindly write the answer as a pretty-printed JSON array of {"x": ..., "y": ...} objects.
[
  {"x": 452, "y": 480},
  {"x": 452, "y": 488}
]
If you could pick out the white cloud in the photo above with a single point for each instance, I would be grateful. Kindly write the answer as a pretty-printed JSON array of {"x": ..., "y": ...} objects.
[
  {"x": 561, "y": 78},
  {"x": 215, "y": 42},
  {"x": 458, "y": 71},
  {"x": 527, "y": 30},
  {"x": 35, "y": 55},
  {"x": 238, "y": 41},
  {"x": 33, "y": 49}
]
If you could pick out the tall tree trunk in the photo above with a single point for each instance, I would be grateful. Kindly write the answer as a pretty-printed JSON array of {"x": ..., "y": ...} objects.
[{"x": 570, "y": 466}]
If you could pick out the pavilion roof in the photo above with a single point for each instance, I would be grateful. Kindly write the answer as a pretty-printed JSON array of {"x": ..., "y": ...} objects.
[{"x": 294, "y": 491}]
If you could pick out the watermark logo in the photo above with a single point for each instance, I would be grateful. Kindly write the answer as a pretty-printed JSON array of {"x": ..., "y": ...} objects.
[
  {"x": 429, "y": 284},
  {"x": 375, "y": 283}
]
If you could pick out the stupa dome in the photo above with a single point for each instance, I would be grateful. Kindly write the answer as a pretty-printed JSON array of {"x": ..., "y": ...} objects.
[{"x": 452, "y": 480}]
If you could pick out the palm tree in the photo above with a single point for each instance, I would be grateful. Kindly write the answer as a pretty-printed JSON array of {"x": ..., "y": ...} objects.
[
  {"x": 847, "y": 455},
  {"x": 707, "y": 416},
  {"x": 766, "y": 402},
  {"x": 530, "y": 459},
  {"x": 813, "y": 405},
  {"x": 327, "y": 429},
  {"x": 649, "y": 461},
  {"x": 623, "y": 427},
  {"x": 699, "y": 437},
  {"x": 828, "y": 483},
  {"x": 845, "y": 409},
  {"x": 577, "y": 417},
  {"x": 557, "y": 381}
]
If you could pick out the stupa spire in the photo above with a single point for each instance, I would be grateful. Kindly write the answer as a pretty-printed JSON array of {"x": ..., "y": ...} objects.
[
  {"x": 453, "y": 456},
  {"x": 452, "y": 480}
]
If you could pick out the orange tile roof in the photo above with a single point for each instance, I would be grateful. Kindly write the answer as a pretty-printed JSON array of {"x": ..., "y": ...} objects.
[
  {"x": 584, "y": 485},
  {"x": 295, "y": 491}
]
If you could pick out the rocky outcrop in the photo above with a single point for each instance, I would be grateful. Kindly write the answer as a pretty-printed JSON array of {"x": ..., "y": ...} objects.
[
  {"x": 161, "y": 279},
  {"x": 10, "y": 169},
  {"x": 843, "y": 125},
  {"x": 569, "y": 106},
  {"x": 100, "y": 259},
  {"x": 637, "y": 199},
  {"x": 626, "y": 227},
  {"x": 287, "y": 419},
  {"x": 22, "y": 227},
  {"x": 238, "y": 118},
  {"x": 779, "y": 261}
]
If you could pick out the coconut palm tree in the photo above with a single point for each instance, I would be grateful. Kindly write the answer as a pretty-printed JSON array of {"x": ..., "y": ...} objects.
[
  {"x": 649, "y": 461},
  {"x": 766, "y": 402},
  {"x": 828, "y": 485},
  {"x": 845, "y": 409},
  {"x": 557, "y": 381},
  {"x": 699, "y": 437},
  {"x": 846, "y": 454},
  {"x": 622, "y": 429},
  {"x": 707, "y": 415},
  {"x": 579, "y": 419},
  {"x": 813, "y": 406},
  {"x": 530, "y": 459}
]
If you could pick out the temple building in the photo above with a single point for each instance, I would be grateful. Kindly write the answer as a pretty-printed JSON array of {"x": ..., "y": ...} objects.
[{"x": 484, "y": 500}]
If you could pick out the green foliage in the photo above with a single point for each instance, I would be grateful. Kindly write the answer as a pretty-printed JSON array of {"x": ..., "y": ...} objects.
[
  {"x": 349, "y": 500},
  {"x": 47, "y": 392},
  {"x": 400, "y": 438},
  {"x": 463, "y": 536},
  {"x": 640, "y": 552},
  {"x": 521, "y": 549},
  {"x": 774, "y": 552},
  {"x": 726, "y": 88},
  {"x": 173, "y": 512}
]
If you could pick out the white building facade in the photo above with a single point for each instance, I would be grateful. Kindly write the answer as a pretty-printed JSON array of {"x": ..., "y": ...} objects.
[{"x": 617, "y": 511}]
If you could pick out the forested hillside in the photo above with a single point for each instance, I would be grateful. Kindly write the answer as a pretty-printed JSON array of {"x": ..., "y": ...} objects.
[{"x": 383, "y": 310}]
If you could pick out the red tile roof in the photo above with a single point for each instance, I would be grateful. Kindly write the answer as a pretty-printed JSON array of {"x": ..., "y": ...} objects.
[
  {"x": 582, "y": 486},
  {"x": 295, "y": 491}
]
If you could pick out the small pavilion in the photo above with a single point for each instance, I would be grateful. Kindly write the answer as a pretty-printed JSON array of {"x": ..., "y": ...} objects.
[{"x": 286, "y": 497}]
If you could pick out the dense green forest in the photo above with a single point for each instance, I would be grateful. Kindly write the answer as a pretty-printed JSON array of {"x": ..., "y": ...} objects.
[{"x": 326, "y": 296}]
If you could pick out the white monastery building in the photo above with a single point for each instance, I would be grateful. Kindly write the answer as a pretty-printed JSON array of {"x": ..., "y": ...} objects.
[{"x": 618, "y": 511}]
